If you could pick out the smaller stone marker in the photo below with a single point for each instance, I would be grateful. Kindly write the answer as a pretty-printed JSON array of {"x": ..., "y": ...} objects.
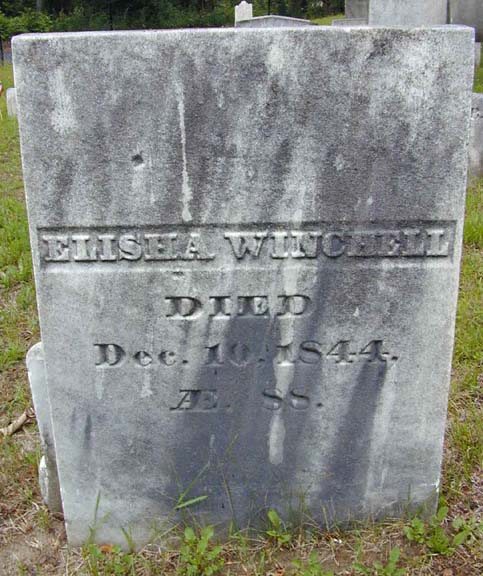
[
  {"x": 11, "y": 102},
  {"x": 48, "y": 477},
  {"x": 408, "y": 12},
  {"x": 271, "y": 21},
  {"x": 243, "y": 11},
  {"x": 476, "y": 138},
  {"x": 469, "y": 13},
  {"x": 357, "y": 9}
]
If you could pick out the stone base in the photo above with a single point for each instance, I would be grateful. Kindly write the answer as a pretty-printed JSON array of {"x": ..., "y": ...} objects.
[
  {"x": 476, "y": 137},
  {"x": 48, "y": 477}
]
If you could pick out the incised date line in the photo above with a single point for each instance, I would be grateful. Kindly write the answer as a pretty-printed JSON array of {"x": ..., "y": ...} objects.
[{"x": 241, "y": 354}]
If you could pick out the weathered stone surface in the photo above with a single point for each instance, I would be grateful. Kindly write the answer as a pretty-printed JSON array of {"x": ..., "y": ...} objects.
[
  {"x": 476, "y": 137},
  {"x": 408, "y": 12},
  {"x": 357, "y": 9},
  {"x": 11, "y": 102},
  {"x": 274, "y": 22},
  {"x": 349, "y": 22},
  {"x": 48, "y": 478},
  {"x": 468, "y": 12},
  {"x": 243, "y": 11},
  {"x": 247, "y": 271},
  {"x": 477, "y": 54}
]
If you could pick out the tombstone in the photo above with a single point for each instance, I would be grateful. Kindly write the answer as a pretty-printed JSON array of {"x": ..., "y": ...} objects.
[
  {"x": 468, "y": 12},
  {"x": 357, "y": 9},
  {"x": 349, "y": 22},
  {"x": 476, "y": 137},
  {"x": 477, "y": 54},
  {"x": 243, "y": 11},
  {"x": 48, "y": 477},
  {"x": 246, "y": 272},
  {"x": 11, "y": 102},
  {"x": 408, "y": 12},
  {"x": 272, "y": 21}
]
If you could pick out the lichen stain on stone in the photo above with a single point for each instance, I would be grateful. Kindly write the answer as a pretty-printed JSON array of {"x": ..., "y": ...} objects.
[
  {"x": 276, "y": 61},
  {"x": 99, "y": 385},
  {"x": 146, "y": 390},
  {"x": 186, "y": 193},
  {"x": 285, "y": 377},
  {"x": 63, "y": 119}
]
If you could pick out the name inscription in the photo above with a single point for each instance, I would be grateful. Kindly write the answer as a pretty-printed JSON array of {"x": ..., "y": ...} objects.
[{"x": 205, "y": 244}]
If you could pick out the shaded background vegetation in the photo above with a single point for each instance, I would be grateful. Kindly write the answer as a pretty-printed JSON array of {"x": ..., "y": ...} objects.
[{"x": 17, "y": 16}]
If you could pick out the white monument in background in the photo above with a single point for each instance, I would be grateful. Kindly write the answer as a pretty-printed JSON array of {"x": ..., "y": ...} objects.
[{"x": 243, "y": 11}]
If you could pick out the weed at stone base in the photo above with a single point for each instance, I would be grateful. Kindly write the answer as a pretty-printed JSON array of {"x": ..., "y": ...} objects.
[
  {"x": 277, "y": 532},
  {"x": 197, "y": 556},
  {"x": 379, "y": 569},
  {"x": 44, "y": 519},
  {"x": 311, "y": 567},
  {"x": 472, "y": 529},
  {"x": 107, "y": 560},
  {"x": 435, "y": 538}
]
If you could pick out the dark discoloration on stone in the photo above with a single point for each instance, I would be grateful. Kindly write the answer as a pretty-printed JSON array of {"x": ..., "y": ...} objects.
[
  {"x": 87, "y": 442},
  {"x": 345, "y": 487}
]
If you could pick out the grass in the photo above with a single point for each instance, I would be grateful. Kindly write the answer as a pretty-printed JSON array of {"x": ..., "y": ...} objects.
[
  {"x": 32, "y": 540},
  {"x": 327, "y": 20}
]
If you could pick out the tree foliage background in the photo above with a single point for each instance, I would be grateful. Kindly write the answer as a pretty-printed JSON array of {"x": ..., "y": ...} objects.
[{"x": 17, "y": 16}]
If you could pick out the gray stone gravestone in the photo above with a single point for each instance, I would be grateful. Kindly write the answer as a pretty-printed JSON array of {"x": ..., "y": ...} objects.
[
  {"x": 408, "y": 12},
  {"x": 357, "y": 9},
  {"x": 246, "y": 272}
]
